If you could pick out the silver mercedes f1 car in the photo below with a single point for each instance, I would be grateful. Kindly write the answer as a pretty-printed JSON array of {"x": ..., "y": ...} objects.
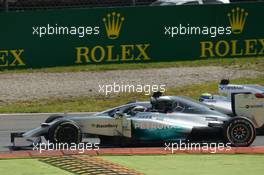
[
  {"x": 238, "y": 100},
  {"x": 162, "y": 119}
]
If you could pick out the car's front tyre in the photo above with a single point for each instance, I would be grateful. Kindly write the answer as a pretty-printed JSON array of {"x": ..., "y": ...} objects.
[
  {"x": 65, "y": 132},
  {"x": 240, "y": 132}
]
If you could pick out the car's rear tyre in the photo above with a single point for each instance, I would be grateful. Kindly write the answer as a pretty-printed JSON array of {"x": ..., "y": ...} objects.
[
  {"x": 65, "y": 132},
  {"x": 52, "y": 118},
  {"x": 240, "y": 132}
]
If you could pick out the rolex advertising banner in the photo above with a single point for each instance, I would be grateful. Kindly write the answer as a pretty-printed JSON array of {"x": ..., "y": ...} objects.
[{"x": 133, "y": 34}]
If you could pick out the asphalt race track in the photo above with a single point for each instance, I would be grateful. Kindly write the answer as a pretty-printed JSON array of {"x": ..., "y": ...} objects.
[{"x": 24, "y": 122}]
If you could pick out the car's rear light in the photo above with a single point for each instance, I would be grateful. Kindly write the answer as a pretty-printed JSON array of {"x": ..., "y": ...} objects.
[{"x": 259, "y": 95}]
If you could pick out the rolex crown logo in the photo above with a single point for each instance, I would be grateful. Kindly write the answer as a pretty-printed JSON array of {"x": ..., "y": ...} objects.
[
  {"x": 113, "y": 23},
  {"x": 237, "y": 18}
]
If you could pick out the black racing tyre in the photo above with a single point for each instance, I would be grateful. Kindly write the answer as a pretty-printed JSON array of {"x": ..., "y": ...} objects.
[
  {"x": 65, "y": 132},
  {"x": 49, "y": 120},
  {"x": 52, "y": 118},
  {"x": 240, "y": 132}
]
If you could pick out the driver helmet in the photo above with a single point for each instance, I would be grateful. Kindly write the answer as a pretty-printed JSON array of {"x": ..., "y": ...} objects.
[
  {"x": 139, "y": 109},
  {"x": 205, "y": 96}
]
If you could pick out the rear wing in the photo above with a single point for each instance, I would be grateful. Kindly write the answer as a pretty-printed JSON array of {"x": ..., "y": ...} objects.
[
  {"x": 229, "y": 89},
  {"x": 249, "y": 105}
]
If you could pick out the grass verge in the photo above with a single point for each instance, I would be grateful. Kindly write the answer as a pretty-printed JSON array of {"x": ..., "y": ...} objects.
[
  {"x": 241, "y": 63},
  {"x": 92, "y": 104},
  {"x": 28, "y": 167},
  {"x": 193, "y": 164}
]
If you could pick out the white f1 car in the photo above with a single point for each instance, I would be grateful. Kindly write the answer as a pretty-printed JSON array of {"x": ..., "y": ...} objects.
[
  {"x": 238, "y": 100},
  {"x": 162, "y": 119}
]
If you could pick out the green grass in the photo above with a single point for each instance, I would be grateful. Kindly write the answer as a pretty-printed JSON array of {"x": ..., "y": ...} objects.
[
  {"x": 241, "y": 63},
  {"x": 193, "y": 164},
  {"x": 28, "y": 167},
  {"x": 153, "y": 165},
  {"x": 99, "y": 103}
]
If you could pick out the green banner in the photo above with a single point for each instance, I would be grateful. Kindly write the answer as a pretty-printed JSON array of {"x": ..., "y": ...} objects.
[{"x": 133, "y": 34}]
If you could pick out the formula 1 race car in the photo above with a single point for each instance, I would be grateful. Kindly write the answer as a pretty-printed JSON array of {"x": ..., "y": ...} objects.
[
  {"x": 238, "y": 100},
  {"x": 164, "y": 118}
]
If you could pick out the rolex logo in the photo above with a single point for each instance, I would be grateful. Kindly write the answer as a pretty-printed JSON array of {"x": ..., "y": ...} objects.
[
  {"x": 113, "y": 23},
  {"x": 237, "y": 18}
]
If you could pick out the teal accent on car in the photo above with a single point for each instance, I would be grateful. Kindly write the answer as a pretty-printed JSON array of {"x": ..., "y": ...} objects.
[{"x": 157, "y": 134}]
